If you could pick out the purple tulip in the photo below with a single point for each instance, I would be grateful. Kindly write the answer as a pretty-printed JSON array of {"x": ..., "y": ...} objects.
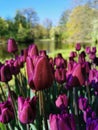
[
  {"x": 92, "y": 124},
  {"x": 82, "y": 103},
  {"x": 33, "y": 50},
  {"x": 26, "y": 109},
  {"x": 6, "y": 112},
  {"x": 62, "y": 122},
  {"x": 88, "y": 50},
  {"x": 60, "y": 75},
  {"x": 12, "y": 46},
  {"x": 73, "y": 54},
  {"x": 62, "y": 101},
  {"x": 39, "y": 71},
  {"x": 78, "y": 47},
  {"x": 5, "y": 73},
  {"x": 59, "y": 61}
]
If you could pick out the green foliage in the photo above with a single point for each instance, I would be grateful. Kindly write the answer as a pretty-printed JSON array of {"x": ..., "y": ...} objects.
[{"x": 79, "y": 26}]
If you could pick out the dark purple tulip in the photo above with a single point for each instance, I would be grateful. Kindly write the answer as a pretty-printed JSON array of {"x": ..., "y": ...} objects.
[
  {"x": 92, "y": 124},
  {"x": 60, "y": 75},
  {"x": 24, "y": 53},
  {"x": 82, "y": 103},
  {"x": 88, "y": 50},
  {"x": 59, "y": 61},
  {"x": 5, "y": 73},
  {"x": 12, "y": 46},
  {"x": 73, "y": 54},
  {"x": 6, "y": 112},
  {"x": 78, "y": 47},
  {"x": 93, "y": 50},
  {"x": 26, "y": 109},
  {"x": 92, "y": 55},
  {"x": 33, "y": 50},
  {"x": 39, "y": 71},
  {"x": 62, "y": 101}
]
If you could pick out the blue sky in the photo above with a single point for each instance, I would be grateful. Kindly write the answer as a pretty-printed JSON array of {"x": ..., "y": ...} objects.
[{"x": 51, "y": 9}]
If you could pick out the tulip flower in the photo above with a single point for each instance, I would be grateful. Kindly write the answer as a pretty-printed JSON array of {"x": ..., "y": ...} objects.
[
  {"x": 5, "y": 73},
  {"x": 12, "y": 46},
  {"x": 60, "y": 75},
  {"x": 78, "y": 47},
  {"x": 59, "y": 61},
  {"x": 83, "y": 103},
  {"x": 76, "y": 78},
  {"x": 92, "y": 124},
  {"x": 26, "y": 109},
  {"x": 61, "y": 122},
  {"x": 39, "y": 71},
  {"x": 32, "y": 50},
  {"x": 6, "y": 112},
  {"x": 62, "y": 101},
  {"x": 87, "y": 50}
]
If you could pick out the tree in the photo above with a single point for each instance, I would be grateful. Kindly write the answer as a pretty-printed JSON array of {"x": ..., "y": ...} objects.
[
  {"x": 48, "y": 25},
  {"x": 79, "y": 26},
  {"x": 3, "y": 28},
  {"x": 31, "y": 17}
]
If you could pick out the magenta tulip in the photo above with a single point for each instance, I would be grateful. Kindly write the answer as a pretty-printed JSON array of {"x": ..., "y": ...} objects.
[
  {"x": 12, "y": 46},
  {"x": 26, "y": 109},
  {"x": 32, "y": 50},
  {"x": 39, "y": 71},
  {"x": 6, "y": 112},
  {"x": 62, "y": 101},
  {"x": 62, "y": 122},
  {"x": 60, "y": 75},
  {"x": 78, "y": 47}
]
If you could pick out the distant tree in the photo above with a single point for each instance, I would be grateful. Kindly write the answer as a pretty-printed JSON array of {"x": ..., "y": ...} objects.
[
  {"x": 31, "y": 17},
  {"x": 48, "y": 25},
  {"x": 3, "y": 28},
  {"x": 79, "y": 26}
]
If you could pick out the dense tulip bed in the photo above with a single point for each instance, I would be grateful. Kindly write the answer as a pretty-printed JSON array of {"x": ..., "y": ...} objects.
[{"x": 49, "y": 93}]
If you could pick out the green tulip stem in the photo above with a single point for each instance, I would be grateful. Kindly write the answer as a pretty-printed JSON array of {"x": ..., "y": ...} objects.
[
  {"x": 28, "y": 127},
  {"x": 42, "y": 109},
  {"x": 88, "y": 92},
  {"x": 13, "y": 104},
  {"x": 2, "y": 92},
  {"x": 75, "y": 106}
]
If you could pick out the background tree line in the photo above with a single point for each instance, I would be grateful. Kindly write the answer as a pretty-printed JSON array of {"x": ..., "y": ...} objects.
[{"x": 79, "y": 24}]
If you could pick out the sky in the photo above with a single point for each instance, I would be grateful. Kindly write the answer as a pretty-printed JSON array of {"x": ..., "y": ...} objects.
[{"x": 51, "y": 9}]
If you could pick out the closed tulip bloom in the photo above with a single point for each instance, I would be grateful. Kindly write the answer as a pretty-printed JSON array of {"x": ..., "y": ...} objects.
[
  {"x": 77, "y": 72},
  {"x": 82, "y": 103},
  {"x": 61, "y": 122},
  {"x": 59, "y": 61},
  {"x": 32, "y": 50},
  {"x": 93, "y": 50},
  {"x": 12, "y": 46},
  {"x": 60, "y": 75},
  {"x": 88, "y": 50},
  {"x": 6, "y": 112},
  {"x": 39, "y": 71},
  {"x": 92, "y": 124},
  {"x": 5, "y": 73},
  {"x": 26, "y": 109},
  {"x": 62, "y": 101},
  {"x": 57, "y": 122},
  {"x": 78, "y": 47}
]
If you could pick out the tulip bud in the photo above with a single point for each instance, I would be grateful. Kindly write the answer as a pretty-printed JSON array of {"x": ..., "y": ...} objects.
[
  {"x": 5, "y": 73},
  {"x": 40, "y": 75},
  {"x": 78, "y": 47},
  {"x": 12, "y": 46},
  {"x": 6, "y": 112},
  {"x": 26, "y": 109},
  {"x": 62, "y": 101}
]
